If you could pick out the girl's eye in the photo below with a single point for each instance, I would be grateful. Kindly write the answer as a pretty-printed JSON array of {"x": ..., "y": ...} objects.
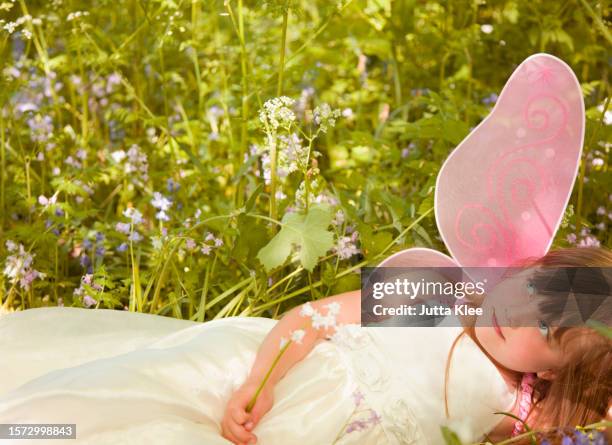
[
  {"x": 544, "y": 329},
  {"x": 530, "y": 288}
]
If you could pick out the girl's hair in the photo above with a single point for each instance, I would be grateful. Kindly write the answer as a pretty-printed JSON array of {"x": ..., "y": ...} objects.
[{"x": 581, "y": 391}]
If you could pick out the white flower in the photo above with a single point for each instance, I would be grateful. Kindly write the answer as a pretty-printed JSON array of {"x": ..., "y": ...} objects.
[
  {"x": 323, "y": 321},
  {"x": 346, "y": 247},
  {"x": 486, "y": 28},
  {"x": 42, "y": 200},
  {"x": 351, "y": 336},
  {"x": 333, "y": 308},
  {"x": 133, "y": 214},
  {"x": 118, "y": 156},
  {"x": 162, "y": 216},
  {"x": 157, "y": 242},
  {"x": 160, "y": 202},
  {"x": 607, "y": 115},
  {"x": 276, "y": 112},
  {"x": 325, "y": 117},
  {"x": 307, "y": 310},
  {"x": 298, "y": 335},
  {"x": 283, "y": 342},
  {"x": 338, "y": 218}
]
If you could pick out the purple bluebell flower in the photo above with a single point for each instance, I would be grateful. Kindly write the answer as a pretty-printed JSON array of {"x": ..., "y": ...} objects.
[
  {"x": 567, "y": 440},
  {"x": 122, "y": 247},
  {"x": 84, "y": 260},
  {"x": 162, "y": 216},
  {"x": 581, "y": 438},
  {"x": 100, "y": 251},
  {"x": 88, "y": 301},
  {"x": 599, "y": 439},
  {"x": 87, "y": 244},
  {"x": 172, "y": 185},
  {"x": 490, "y": 99},
  {"x": 123, "y": 228},
  {"x": 135, "y": 236},
  {"x": 133, "y": 214}
]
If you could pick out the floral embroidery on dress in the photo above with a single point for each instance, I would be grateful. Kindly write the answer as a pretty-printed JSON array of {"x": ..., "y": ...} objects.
[
  {"x": 399, "y": 420},
  {"x": 361, "y": 419},
  {"x": 366, "y": 360}
]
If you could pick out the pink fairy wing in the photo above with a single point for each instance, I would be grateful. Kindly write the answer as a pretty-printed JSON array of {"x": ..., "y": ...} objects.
[
  {"x": 501, "y": 194},
  {"x": 424, "y": 257},
  {"x": 418, "y": 257}
]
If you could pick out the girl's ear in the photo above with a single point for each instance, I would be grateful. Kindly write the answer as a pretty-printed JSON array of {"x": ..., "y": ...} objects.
[{"x": 549, "y": 374}]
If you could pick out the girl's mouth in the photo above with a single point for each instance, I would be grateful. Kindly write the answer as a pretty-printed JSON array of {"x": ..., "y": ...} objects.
[{"x": 496, "y": 326}]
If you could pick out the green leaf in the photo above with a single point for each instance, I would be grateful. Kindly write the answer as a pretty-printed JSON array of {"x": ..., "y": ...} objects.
[
  {"x": 527, "y": 429},
  {"x": 450, "y": 437},
  {"x": 423, "y": 237},
  {"x": 309, "y": 232},
  {"x": 604, "y": 330}
]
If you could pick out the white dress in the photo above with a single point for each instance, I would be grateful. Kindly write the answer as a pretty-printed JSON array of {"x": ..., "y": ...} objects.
[{"x": 132, "y": 378}]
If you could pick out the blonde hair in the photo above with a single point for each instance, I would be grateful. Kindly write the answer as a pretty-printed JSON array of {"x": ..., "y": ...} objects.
[{"x": 582, "y": 390}]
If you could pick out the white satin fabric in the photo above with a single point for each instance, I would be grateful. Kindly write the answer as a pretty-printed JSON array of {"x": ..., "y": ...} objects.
[{"x": 131, "y": 378}]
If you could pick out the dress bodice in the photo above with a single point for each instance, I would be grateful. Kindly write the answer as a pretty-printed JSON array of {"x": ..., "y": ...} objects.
[{"x": 400, "y": 371}]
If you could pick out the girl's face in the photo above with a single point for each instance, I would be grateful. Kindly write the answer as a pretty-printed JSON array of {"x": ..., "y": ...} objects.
[{"x": 526, "y": 346}]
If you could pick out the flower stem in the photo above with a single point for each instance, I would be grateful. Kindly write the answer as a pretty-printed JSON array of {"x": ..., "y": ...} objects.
[
  {"x": 281, "y": 65},
  {"x": 250, "y": 405}
]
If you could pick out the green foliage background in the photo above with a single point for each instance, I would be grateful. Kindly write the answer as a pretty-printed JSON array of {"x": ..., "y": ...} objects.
[{"x": 185, "y": 80}]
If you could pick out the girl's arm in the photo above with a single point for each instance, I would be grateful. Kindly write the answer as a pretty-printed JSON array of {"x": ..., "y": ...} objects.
[{"x": 350, "y": 312}]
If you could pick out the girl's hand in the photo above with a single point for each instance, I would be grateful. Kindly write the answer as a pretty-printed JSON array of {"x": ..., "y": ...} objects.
[{"x": 237, "y": 424}]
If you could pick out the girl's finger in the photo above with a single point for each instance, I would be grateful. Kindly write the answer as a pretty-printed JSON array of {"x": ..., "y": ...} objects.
[
  {"x": 226, "y": 432},
  {"x": 239, "y": 415},
  {"x": 240, "y": 433}
]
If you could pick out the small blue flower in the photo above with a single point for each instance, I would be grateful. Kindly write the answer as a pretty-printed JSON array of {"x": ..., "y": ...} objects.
[
  {"x": 84, "y": 260},
  {"x": 172, "y": 186},
  {"x": 581, "y": 438},
  {"x": 99, "y": 237},
  {"x": 600, "y": 439},
  {"x": 100, "y": 251},
  {"x": 135, "y": 236},
  {"x": 122, "y": 247},
  {"x": 566, "y": 440},
  {"x": 87, "y": 244},
  {"x": 59, "y": 212},
  {"x": 490, "y": 99}
]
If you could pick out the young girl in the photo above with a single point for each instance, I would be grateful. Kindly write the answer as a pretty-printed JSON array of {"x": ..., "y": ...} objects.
[{"x": 572, "y": 383}]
